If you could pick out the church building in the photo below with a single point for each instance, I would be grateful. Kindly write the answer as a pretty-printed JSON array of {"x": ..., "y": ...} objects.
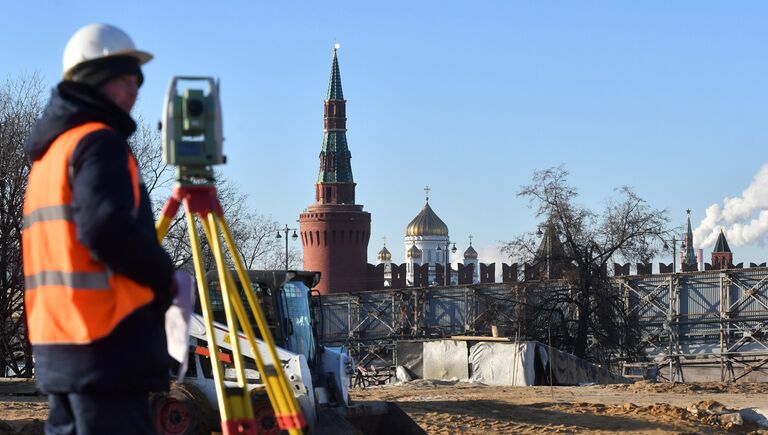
[{"x": 426, "y": 241}]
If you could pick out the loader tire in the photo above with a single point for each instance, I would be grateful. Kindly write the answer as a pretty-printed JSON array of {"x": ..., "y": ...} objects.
[
  {"x": 183, "y": 410},
  {"x": 263, "y": 414}
]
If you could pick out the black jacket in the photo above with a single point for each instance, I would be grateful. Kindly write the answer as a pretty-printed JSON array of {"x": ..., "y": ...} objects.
[{"x": 134, "y": 356}]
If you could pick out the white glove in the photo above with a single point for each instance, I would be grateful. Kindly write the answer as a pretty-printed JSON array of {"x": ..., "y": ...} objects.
[{"x": 177, "y": 320}]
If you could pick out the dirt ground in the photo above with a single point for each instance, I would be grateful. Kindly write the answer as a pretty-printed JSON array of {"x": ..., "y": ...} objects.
[
  {"x": 641, "y": 408},
  {"x": 450, "y": 408}
]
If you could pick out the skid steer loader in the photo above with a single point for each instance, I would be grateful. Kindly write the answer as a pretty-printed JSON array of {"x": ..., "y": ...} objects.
[{"x": 318, "y": 376}]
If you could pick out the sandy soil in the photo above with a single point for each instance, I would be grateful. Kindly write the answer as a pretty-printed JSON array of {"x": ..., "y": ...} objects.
[
  {"x": 450, "y": 408},
  {"x": 632, "y": 409}
]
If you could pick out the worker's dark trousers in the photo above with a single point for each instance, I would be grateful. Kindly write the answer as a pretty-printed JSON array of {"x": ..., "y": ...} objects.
[{"x": 99, "y": 414}]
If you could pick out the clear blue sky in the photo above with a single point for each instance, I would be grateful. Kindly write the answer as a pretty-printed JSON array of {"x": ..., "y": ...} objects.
[{"x": 468, "y": 97}]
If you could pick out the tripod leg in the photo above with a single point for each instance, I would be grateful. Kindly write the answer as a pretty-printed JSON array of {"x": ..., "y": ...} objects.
[
  {"x": 228, "y": 290},
  {"x": 288, "y": 411},
  {"x": 237, "y": 306},
  {"x": 276, "y": 393},
  {"x": 240, "y": 419},
  {"x": 169, "y": 212},
  {"x": 205, "y": 302}
]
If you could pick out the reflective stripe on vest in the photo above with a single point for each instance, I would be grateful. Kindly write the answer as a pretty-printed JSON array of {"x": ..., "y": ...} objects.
[
  {"x": 77, "y": 280},
  {"x": 70, "y": 297},
  {"x": 49, "y": 213}
]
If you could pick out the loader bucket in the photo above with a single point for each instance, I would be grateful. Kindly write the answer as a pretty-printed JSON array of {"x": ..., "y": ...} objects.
[{"x": 368, "y": 418}]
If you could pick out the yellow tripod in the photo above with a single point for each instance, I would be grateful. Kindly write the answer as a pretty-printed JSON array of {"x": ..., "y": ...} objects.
[{"x": 234, "y": 403}]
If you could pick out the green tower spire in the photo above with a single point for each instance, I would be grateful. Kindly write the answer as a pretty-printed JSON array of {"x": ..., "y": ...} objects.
[
  {"x": 334, "y": 181},
  {"x": 334, "y": 84}
]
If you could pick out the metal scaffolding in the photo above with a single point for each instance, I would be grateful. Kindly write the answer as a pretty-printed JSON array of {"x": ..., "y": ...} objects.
[
  {"x": 702, "y": 319},
  {"x": 688, "y": 321}
]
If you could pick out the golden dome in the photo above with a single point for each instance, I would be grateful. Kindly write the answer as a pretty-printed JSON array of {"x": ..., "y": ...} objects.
[
  {"x": 426, "y": 223},
  {"x": 470, "y": 253},
  {"x": 384, "y": 254},
  {"x": 414, "y": 252}
]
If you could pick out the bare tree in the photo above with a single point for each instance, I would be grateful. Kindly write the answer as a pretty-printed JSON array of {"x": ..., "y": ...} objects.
[
  {"x": 148, "y": 150},
  {"x": 586, "y": 313},
  {"x": 20, "y": 105},
  {"x": 254, "y": 233}
]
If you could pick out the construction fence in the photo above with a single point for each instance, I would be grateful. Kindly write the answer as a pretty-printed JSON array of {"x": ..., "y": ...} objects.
[{"x": 696, "y": 325}]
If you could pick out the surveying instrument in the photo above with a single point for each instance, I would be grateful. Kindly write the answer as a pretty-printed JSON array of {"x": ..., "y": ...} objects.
[{"x": 192, "y": 142}]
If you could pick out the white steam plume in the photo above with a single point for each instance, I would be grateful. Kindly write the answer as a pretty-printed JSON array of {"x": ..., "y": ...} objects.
[{"x": 737, "y": 216}]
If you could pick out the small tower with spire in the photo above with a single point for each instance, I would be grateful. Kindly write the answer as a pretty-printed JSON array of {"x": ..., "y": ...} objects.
[
  {"x": 722, "y": 257},
  {"x": 688, "y": 254},
  {"x": 550, "y": 258},
  {"x": 335, "y": 230},
  {"x": 413, "y": 257},
  {"x": 385, "y": 257},
  {"x": 470, "y": 257}
]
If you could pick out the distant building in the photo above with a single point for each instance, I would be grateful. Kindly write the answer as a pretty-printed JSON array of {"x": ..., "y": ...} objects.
[
  {"x": 335, "y": 230},
  {"x": 551, "y": 259},
  {"x": 688, "y": 260},
  {"x": 428, "y": 234},
  {"x": 385, "y": 257},
  {"x": 413, "y": 258},
  {"x": 692, "y": 260},
  {"x": 722, "y": 257},
  {"x": 470, "y": 259}
]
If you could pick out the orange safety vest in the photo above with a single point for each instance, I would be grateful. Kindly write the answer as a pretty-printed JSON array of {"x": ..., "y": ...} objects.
[{"x": 70, "y": 297}]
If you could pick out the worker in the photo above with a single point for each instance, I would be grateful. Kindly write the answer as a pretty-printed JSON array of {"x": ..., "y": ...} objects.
[{"x": 97, "y": 281}]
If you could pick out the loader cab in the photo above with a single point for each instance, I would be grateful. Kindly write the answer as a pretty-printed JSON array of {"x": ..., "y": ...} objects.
[{"x": 285, "y": 300}]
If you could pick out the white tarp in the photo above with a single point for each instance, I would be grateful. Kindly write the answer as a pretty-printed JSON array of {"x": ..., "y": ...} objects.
[
  {"x": 503, "y": 363},
  {"x": 567, "y": 369},
  {"x": 445, "y": 359},
  {"x": 499, "y": 363}
]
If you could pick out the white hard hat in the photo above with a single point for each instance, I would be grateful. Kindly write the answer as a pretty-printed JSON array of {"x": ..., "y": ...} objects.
[{"x": 97, "y": 41}]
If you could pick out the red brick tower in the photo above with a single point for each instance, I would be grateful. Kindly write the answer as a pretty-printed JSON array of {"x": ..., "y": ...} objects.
[
  {"x": 335, "y": 231},
  {"x": 722, "y": 257}
]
